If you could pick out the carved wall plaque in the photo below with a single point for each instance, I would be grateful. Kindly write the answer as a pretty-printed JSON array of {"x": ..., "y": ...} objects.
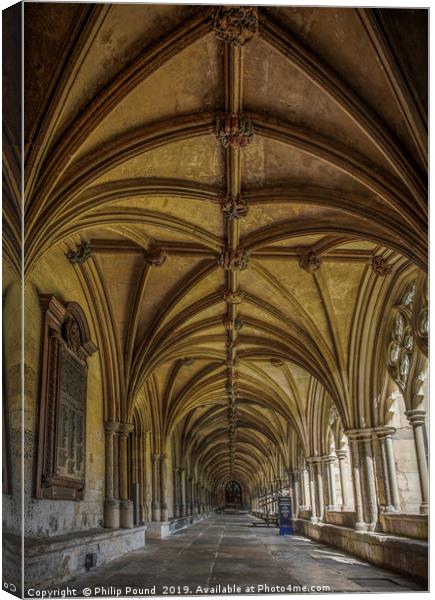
[{"x": 65, "y": 348}]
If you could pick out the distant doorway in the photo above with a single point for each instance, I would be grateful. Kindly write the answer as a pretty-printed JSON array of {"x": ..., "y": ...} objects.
[{"x": 233, "y": 494}]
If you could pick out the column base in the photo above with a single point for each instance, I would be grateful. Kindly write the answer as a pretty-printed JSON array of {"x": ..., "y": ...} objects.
[
  {"x": 157, "y": 531},
  {"x": 360, "y": 527},
  {"x": 347, "y": 508},
  {"x": 155, "y": 511},
  {"x": 163, "y": 512},
  {"x": 424, "y": 508},
  {"x": 111, "y": 514},
  {"x": 126, "y": 514}
]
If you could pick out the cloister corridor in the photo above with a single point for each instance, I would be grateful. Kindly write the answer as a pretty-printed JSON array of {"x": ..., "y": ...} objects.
[
  {"x": 224, "y": 291},
  {"x": 228, "y": 550}
]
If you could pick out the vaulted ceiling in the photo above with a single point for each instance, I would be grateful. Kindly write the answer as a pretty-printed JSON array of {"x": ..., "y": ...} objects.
[{"x": 227, "y": 280}]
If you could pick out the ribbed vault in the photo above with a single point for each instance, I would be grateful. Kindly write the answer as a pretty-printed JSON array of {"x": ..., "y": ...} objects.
[{"x": 229, "y": 287}]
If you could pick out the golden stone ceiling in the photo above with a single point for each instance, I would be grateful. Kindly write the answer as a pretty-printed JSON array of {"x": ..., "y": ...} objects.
[{"x": 123, "y": 105}]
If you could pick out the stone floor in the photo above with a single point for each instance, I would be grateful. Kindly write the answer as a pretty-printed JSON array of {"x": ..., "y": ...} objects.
[{"x": 228, "y": 551}]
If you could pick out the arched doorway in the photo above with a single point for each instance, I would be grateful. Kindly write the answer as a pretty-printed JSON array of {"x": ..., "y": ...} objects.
[{"x": 233, "y": 494}]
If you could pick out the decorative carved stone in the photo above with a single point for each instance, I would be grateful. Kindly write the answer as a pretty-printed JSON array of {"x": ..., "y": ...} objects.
[
  {"x": 235, "y": 25},
  {"x": 235, "y": 131},
  {"x": 188, "y": 362},
  {"x": 238, "y": 323},
  {"x": 81, "y": 255},
  {"x": 234, "y": 207},
  {"x": 72, "y": 334},
  {"x": 233, "y": 297},
  {"x": 231, "y": 345},
  {"x": 277, "y": 362},
  {"x": 380, "y": 266},
  {"x": 155, "y": 255},
  {"x": 234, "y": 260},
  {"x": 310, "y": 261}
]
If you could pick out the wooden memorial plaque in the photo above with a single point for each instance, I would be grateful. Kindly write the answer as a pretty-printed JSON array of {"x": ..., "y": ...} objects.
[{"x": 60, "y": 468}]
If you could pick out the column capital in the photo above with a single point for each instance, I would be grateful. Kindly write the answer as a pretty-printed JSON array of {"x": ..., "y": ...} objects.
[
  {"x": 329, "y": 459},
  {"x": 125, "y": 428},
  {"x": 384, "y": 432},
  {"x": 416, "y": 417},
  {"x": 342, "y": 454},
  {"x": 155, "y": 457},
  {"x": 313, "y": 459},
  {"x": 111, "y": 427},
  {"x": 360, "y": 435}
]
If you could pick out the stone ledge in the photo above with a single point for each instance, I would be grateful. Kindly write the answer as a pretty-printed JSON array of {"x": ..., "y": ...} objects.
[
  {"x": 58, "y": 559},
  {"x": 341, "y": 518},
  {"x": 161, "y": 529},
  {"x": 402, "y": 554},
  {"x": 405, "y": 524}
]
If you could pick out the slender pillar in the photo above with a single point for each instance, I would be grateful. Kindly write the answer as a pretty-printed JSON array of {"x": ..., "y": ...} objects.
[
  {"x": 304, "y": 475},
  {"x": 319, "y": 486},
  {"x": 126, "y": 505},
  {"x": 392, "y": 501},
  {"x": 345, "y": 480},
  {"x": 312, "y": 476},
  {"x": 417, "y": 419},
  {"x": 183, "y": 492},
  {"x": 176, "y": 486},
  {"x": 360, "y": 524},
  {"x": 163, "y": 489},
  {"x": 293, "y": 477},
  {"x": 330, "y": 476},
  {"x": 116, "y": 463},
  {"x": 155, "y": 505},
  {"x": 191, "y": 499},
  {"x": 371, "y": 493},
  {"x": 111, "y": 505}
]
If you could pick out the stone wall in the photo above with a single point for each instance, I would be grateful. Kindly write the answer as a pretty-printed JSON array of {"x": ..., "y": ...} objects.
[
  {"x": 400, "y": 554},
  {"x": 47, "y": 518}
]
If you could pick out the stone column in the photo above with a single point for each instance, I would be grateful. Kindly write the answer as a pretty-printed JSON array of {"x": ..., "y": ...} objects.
[
  {"x": 198, "y": 497},
  {"x": 304, "y": 489},
  {"x": 126, "y": 505},
  {"x": 191, "y": 498},
  {"x": 176, "y": 492},
  {"x": 319, "y": 486},
  {"x": 417, "y": 419},
  {"x": 345, "y": 480},
  {"x": 370, "y": 489},
  {"x": 360, "y": 524},
  {"x": 163, "y": 488},
  {"x": 183, "y": 492},
  {"x": 329, "y": 462},
  {"x": 155, "y": 505},
  {"x": 111, "y": 505},
  {"x": 392, "y": 501},
  {"x": 116, "y": 462},
  {"x": 313, "y": 503},
  {"x": 293, "y": 477}
]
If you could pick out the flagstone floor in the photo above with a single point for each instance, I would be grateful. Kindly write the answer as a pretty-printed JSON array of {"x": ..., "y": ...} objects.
[{"x": 226, "y": 554}]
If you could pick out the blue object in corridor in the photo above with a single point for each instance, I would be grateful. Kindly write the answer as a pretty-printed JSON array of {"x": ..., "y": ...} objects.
[{"x": 285, "y": 515}]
